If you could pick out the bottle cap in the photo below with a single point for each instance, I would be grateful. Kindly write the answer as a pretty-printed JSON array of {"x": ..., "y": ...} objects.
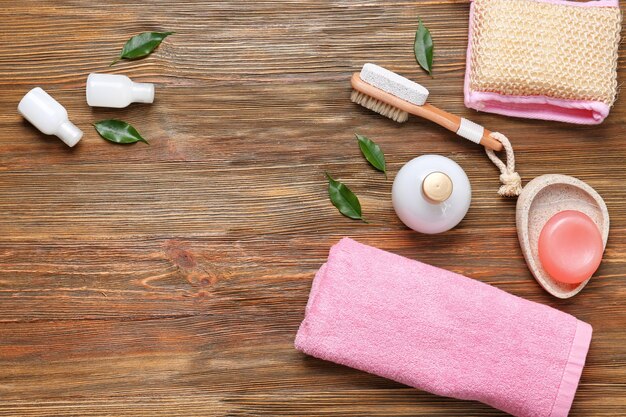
[
  {"x": 437, "y": 187},
  {"x": 143, "y": 92},
  {"x": 69, "y": 133}
]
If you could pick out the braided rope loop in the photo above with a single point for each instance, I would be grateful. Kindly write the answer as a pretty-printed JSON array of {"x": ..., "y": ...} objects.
[{"x": 511, "y": 181}]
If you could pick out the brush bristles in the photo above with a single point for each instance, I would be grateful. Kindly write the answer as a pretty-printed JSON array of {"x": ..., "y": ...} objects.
[{"x": 379, "y": 107}]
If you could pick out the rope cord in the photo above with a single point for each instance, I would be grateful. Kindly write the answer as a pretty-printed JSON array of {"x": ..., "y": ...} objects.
[{"x": 511, "y": 181}]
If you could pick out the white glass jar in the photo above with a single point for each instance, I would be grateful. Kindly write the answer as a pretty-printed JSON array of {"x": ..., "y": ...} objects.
[{"x": 431, "y": 194}]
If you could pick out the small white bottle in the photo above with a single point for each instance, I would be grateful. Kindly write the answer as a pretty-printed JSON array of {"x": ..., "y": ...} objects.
[
  {"x": 49, "y": 116},
  {"x": 431, "y": 194},
  {"x": 117, "y": 91}
]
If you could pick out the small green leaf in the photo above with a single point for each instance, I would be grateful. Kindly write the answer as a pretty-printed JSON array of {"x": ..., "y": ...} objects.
[
  {"x": 142, "y": 45},
  {"x": 344, "y": 199},
  {"x": 372, "y": 152},
  {"x": 118, "y": 131},
  {"x": 424, "y": 47}
]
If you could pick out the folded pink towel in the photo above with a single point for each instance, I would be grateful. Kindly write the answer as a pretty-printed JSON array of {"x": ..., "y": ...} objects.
[{"x": 441, "y": 332}]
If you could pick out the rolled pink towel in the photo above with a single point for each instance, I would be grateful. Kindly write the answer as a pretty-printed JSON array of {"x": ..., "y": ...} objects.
[{"x": 443, "y": 333}]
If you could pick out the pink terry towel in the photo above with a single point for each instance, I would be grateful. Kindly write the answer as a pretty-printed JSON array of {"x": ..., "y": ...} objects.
[{"x": 441, "y": 332}]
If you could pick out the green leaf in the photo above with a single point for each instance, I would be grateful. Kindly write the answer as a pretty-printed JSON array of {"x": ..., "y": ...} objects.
[
  {"x": 424, "y": 47},
  {"x": 118, "y": 131},
  {"x": 142, "y": 45},
  {"x": 372, "y": 152},
  {"x": 344, "y": 199}
]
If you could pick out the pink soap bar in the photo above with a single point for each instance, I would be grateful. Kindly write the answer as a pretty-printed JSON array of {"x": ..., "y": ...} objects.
[{"x": 570, "y": 247}]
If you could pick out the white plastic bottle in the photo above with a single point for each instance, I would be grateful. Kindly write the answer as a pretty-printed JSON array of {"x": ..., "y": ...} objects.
[
  {"x": 431, "y": 194},
  {"x": 49, "y": 116},
  {"x": 117, "y": 91}
]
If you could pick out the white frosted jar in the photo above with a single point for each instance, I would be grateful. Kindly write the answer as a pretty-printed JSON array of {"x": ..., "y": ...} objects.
[{"x": 431, "y": 194}]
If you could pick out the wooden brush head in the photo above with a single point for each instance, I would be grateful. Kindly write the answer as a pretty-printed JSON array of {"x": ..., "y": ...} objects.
[{"x": 379, "y": 107}]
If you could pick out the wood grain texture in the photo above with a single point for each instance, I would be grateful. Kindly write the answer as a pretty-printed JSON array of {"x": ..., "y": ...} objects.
[{"x": 170, "y": 279}]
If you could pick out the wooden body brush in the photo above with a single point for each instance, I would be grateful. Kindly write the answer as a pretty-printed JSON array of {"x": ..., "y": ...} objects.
[{"x": 394, "y": 96}]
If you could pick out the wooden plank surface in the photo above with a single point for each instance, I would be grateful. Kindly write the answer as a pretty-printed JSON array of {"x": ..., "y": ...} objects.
[{"x": 170, "y": 279}]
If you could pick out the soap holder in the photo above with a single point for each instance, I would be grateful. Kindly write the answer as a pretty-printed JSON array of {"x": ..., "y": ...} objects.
[{"x": 541, "y": 199}]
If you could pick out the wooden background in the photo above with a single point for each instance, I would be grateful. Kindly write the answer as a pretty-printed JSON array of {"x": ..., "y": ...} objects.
[{"x": 170, "y": 279}]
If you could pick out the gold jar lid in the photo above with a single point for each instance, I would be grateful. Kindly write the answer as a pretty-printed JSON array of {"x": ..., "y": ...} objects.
[{"x": 437, "y": 187}]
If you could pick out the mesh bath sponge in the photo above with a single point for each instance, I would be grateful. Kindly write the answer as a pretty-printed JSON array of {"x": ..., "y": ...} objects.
[{"x": 543, "y": 59}]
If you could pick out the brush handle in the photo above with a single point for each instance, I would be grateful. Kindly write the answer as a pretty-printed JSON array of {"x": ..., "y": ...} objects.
[{"x": 456, "y": 124}]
